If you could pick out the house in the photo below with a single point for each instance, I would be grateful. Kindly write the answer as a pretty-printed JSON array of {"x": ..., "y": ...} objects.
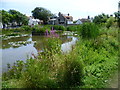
[
  {"x": 78, "y": 22},
  {"x": 53, "y": 20},
  {"x": 33, "y": 21},
  {"x": 61, "y": 19},
  {"x": 83, "y": 20}
]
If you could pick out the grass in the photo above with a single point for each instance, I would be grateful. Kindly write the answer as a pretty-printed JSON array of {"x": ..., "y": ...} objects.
[{"x": 84, "y": 67}]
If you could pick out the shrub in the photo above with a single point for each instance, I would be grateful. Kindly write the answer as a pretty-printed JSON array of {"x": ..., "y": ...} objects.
[
  {"x": 26, "y": 28},
  {"x": 70, "y": 72},
  {"x": 59, "y": 27},
  {"x": 39, "y": 30},
  {"x": 52, "y": 46},
  {"x": 89, "y": 30},
  {"x": 110, "y": 22}
]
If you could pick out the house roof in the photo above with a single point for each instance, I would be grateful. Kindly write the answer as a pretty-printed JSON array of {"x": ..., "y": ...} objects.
[
  {"x": 84, "y": 20},
  {"x": 69, "y": 18}
]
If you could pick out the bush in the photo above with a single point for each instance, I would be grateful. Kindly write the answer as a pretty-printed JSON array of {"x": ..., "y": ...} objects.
[
  {"x": 59, "y": 27},
  {"x": 52, "y": 46},
  {"x": 26, "y": 28},
  {"x": 89, "y": 30},
  {"x": 110, "y": 22},
  {"x": 39, "y": 29},
  {"x": 71, "y": 72}
]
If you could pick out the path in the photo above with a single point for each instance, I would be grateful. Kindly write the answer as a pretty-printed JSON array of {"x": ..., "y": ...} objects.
[{"x": 113, "y": 82}]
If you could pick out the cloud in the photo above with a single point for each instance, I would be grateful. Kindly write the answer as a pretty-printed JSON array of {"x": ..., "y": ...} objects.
[{"x": 77, "y": 8}]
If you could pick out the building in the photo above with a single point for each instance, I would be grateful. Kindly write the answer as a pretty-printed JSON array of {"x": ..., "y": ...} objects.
[
  {"x": 53, "y": 20},
  {"x": 78, "y": 22},
  {"x": 61, "y": 19},
  {"x": 33, "y": 21},
  {"x": 84, "y": 20}
]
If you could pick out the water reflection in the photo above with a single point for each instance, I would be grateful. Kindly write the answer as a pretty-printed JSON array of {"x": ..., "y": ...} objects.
[
  {"x": 5, "y": 43},
  {"x": 10, "y": 54}
]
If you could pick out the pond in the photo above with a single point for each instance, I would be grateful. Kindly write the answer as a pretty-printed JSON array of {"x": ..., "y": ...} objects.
[{"x": 22, "y": 48}]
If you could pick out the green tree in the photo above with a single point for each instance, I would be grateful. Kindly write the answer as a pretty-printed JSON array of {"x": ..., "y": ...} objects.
[
  {"x": 117, "y": 17},
  {"x": 89, "y": 30},
  {"x": 18, "y": 17},
  {"x": 6, "y": 17},
  {"x": 102, "y": 18},
  {"x": 110, "y": 21},
  {"x": 41, "y": 13}
]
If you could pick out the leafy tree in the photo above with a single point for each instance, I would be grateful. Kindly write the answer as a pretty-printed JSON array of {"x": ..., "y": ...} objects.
[
  {"x": 102, "y": 18},
  {"x": 117, "y": 17},
  {"x": 89, "y": 30},
  {"x": 41, "y": 13},
  {"x": 6, "y": 17},
  {"x": 18, "y": 17},
  {"x": 110, "y": 22}
]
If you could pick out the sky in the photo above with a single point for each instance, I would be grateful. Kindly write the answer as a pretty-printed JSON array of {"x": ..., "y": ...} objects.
[{"x": 76, "y": 8}]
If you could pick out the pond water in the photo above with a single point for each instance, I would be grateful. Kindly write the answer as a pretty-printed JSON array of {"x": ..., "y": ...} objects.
[{"x": 15, "y": 48}]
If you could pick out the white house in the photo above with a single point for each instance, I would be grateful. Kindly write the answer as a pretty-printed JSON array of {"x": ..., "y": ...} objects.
[
  {"x": 33, "y": 21},
  {"x": 78, "y": 21},
  {"x": 69, "y": 22}
]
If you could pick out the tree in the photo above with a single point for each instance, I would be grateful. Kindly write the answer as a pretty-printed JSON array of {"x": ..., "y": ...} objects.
[
  {"x": 117, "y": 17},
  {"x": 41, "y": 13},
  {"x": 110, "y": 21},
  {"x": 6, "y": 17},
  {"x": 102, "y": 18},
  {"x": 18, "y": 17}
]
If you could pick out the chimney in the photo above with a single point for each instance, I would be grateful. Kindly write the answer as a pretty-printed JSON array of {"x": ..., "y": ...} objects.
[{"x": 68, "y": 14}]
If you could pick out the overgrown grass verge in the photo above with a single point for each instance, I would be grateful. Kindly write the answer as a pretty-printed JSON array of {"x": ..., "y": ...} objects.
[{"x": 88, "y": 65}]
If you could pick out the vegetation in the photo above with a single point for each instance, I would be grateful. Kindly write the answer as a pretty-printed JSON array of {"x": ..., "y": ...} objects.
[
  {"x": 84, "y": 67},
  {"x": 102, "y": 18},
  {"x": 89, "y": 30},
  {"x": 13, "y": 16},
  {"x": 41, "y": 13},
  {"x": 95, "y": 53}
]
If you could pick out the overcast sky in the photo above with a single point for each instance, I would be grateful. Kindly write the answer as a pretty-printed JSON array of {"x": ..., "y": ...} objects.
[{"x": 76, "y": 8}]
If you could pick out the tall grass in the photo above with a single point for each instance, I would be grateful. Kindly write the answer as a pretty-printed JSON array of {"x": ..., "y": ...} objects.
[
  {"x": 89, "y": 30},
  {"x": 84, "y": 67},
  {"x": 50, "y": 70}
]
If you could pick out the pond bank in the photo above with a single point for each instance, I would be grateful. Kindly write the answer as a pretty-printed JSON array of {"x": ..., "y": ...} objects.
[{"x": 23, "y": 47}]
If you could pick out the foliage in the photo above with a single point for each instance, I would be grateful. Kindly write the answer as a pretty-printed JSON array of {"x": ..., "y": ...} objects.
[
  {"x": 18, "y": 17},
  {"x": 59, "y": 27},
  {"x": 53, "y": 45},
  {"x": 71, "y": 72},
  {"x": 41, "y": 13},
  {"x": 51, "y": 70},
  {"x": 117, "y": 17},
  {"x": 84, "y": 67},
  {"x": 6, "y": 17},
  {"x": 110, "y": 22},
  {"x": 13, "y": 16},
  {"x": 89, "y": 30},
  {"x": 102, "y": 18},
  {"x": 39, "y": 29},
  {"x": 26, "y": 28},
  {"x": 72, "y": 28}
]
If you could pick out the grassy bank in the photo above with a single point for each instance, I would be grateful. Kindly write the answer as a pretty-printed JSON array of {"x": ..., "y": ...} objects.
[{"x": 88, "y": 65}]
